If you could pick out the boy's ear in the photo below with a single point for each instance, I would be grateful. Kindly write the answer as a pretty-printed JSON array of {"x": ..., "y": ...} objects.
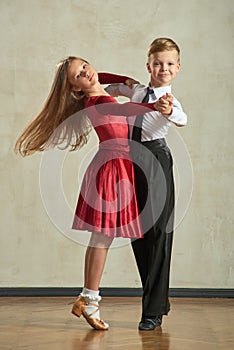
[
  {"x": 178, "y": 67},
  {"x": 148, "y": 67}
]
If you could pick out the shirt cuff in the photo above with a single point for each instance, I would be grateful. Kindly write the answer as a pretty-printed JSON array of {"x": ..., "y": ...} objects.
[{"x": 177, "y": 116}]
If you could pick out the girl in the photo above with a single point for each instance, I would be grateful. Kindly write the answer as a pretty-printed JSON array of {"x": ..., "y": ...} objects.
[{"x": 107, "y": 204}]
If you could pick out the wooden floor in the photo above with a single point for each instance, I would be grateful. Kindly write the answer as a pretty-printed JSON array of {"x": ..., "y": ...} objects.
[{"x": 47, "y": 324}]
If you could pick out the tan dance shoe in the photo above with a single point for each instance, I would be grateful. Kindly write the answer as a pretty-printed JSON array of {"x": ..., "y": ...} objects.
[{"x": 78, "y": 309}]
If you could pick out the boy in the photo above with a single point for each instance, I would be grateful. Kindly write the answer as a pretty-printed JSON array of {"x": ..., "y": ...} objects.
[{"x": 154, "y": 176}]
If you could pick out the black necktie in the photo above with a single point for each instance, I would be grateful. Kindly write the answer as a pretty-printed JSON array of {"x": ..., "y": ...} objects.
[{"x": 136, "y": 132}]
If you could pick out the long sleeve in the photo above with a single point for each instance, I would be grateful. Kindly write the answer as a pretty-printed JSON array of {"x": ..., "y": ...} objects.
[
  {"x": 104, "y": 106},
  {"x": 177, "y": 116},
  {"x": 110, "y": 78},
  {"x": 118, "y": 89}
]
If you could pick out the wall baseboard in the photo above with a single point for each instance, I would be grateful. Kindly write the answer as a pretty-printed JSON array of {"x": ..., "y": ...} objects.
[{"x": 114, "y": 292}]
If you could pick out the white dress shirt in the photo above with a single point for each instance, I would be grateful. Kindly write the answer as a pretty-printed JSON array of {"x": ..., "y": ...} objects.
[{"x": 154, "y": 124}]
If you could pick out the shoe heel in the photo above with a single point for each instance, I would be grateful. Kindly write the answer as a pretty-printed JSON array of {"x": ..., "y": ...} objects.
[
  {"x": 76, "y": 310},
  {"x": 77, "y": 307}
]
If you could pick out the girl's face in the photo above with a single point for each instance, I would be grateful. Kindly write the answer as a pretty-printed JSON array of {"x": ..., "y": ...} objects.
[
  {"x": 82, "y": 76},
  {"x": 163, "y": 67}
]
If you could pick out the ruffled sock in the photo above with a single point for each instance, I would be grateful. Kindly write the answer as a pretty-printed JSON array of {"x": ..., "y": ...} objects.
[{"x": 92, "y": 297}]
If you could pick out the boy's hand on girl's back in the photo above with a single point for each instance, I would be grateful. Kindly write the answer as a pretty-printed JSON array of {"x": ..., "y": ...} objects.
[{"x": 129, "y": 82}]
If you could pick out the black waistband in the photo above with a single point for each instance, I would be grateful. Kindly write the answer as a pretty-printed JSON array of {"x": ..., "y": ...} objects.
[{"x": 159, "y": 142}]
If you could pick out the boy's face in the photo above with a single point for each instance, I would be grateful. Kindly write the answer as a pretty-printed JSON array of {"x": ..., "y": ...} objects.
[{"x": 163, "y": 67}]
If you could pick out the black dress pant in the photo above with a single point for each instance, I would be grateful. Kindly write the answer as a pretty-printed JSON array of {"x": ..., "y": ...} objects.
[{"x": 155, "y": 191}]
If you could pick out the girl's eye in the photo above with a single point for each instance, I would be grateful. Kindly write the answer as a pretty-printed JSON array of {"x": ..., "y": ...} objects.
[
  {"x": 85, "y": 65},
  {"x": 78, "y": 76}
]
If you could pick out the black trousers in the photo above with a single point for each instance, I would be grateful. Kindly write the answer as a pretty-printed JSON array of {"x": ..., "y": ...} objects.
[{"x": 155, "y": 191}]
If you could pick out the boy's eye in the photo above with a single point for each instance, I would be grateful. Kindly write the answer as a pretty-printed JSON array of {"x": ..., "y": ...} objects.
[
  {"x": 85, "y": 65},
  {"x": 78, "y": 76}
]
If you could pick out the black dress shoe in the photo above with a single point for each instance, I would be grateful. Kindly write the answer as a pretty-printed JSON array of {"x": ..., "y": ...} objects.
[{"x": 150, "y": 323}]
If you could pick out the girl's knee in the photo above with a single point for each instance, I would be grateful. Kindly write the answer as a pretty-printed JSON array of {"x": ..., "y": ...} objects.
[{"x": 98, "y": 240}]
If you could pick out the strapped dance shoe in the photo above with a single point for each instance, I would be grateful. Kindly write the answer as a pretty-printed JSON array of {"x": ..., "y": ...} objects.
[{"x": 79, "y": 309}]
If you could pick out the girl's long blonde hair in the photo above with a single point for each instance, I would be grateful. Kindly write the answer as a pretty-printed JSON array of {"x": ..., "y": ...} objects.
[{"x": 46, "y": 128}]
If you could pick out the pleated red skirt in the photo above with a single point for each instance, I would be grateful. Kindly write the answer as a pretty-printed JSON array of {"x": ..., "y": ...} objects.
[{"x": 107, "y": 202}]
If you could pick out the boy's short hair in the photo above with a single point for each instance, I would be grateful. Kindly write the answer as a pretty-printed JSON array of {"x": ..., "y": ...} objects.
[{"x": 163, "y": 44}]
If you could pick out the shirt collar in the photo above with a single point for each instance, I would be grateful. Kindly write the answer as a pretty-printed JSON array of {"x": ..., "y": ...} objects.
[{"x": 160, "y": 91}]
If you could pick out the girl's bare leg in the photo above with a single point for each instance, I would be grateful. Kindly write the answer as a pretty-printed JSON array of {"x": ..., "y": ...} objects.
[
  {"x": 95, "y": 259},
  {"x": 88, "y": 302}
]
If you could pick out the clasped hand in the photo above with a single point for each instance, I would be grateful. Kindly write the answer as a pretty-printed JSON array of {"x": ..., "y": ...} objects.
[{"x": 164, "y": 104}]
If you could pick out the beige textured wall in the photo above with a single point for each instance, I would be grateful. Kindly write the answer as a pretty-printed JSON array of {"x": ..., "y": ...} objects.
[{"x": 114, "y": 36}]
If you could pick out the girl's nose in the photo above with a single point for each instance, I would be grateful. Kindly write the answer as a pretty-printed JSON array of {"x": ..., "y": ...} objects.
[{"x": 84, "y": 74}]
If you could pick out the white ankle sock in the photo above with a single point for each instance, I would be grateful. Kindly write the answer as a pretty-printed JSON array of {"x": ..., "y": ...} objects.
[
  {"x": 92, "y": 294},
  {"x": 93, "y": 297}
]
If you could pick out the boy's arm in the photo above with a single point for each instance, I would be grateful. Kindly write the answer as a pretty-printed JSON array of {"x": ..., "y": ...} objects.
[
  {"x": 178, "y": 117},
  {"x": 121, "y": 85},
  {"x": 116, "y": 90}
]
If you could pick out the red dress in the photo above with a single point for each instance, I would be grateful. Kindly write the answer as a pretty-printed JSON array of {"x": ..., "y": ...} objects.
[{"x": 107, "y": 201}]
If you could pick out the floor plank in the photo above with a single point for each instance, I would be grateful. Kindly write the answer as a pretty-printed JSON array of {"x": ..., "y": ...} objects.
[{"x": 47, "y": 324}]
